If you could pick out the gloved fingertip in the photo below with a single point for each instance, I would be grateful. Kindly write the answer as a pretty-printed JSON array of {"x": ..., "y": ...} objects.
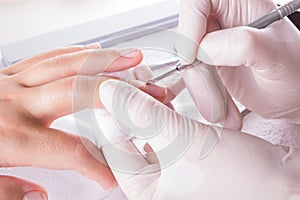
[
  {"x": 203, "y": 56},
  {"x": 186, "y": 49},
  {"x": 206, "y": 91},
  {"x": 106, "y": 92}
]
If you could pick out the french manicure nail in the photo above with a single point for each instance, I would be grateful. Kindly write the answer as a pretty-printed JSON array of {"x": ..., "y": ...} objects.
[
  {"x": 129, "y": 53},
  {"x": 35, "y": 195}
]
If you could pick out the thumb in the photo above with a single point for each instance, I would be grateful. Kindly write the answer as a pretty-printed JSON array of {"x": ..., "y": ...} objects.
[
  {"x": 141, "y": 116},
  {"x": 193, "y": 16},
  {"x": 18, "y": 189},
  {"x": 230, "y": 47},
  {"x": 207, "y": 90},
  {"x": 210, "y": 96}
]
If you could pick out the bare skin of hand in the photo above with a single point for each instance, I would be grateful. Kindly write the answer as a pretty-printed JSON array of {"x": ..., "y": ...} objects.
[{"x": 38, "y": 90}]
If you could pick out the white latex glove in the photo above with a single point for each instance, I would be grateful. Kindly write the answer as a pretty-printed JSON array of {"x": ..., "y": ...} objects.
[
  {"x": 179, "y": 163},
  {"x": 260, "y": 68}
]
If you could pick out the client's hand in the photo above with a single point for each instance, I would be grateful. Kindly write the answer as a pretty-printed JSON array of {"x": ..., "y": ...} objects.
[
  {"x": 181, "y": 162},
  {"x": 38, "y": 90}
]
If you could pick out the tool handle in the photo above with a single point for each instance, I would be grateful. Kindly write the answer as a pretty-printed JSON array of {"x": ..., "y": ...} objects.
[{"x": 275, "y": 15}]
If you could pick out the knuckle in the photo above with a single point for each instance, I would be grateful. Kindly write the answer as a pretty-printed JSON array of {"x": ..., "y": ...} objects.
[
  {"x": 70, "y": 84},
  {"x": 65, "y": 64},
  {"x": 7, "y": 85},
  {"x": 60, "y": 60}
]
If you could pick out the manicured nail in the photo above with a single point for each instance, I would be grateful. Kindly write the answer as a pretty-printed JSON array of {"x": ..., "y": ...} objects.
[
  {"x": 143, "y": 73},
  {"x": 156, "y": 91},
  {"x": 34, "y": 195},
  {"x": 95, "y": 45},
  {"x": 129, "y": 53}
]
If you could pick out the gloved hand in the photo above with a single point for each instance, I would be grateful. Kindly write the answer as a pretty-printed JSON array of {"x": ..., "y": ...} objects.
[
  {"x": 180, "y": 162},
  {"x": 260, "y": 68}
]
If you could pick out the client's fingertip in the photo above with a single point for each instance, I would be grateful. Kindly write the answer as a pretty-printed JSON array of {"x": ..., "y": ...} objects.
[
  {"x": 186, "y": 48},
  {"x": 143, "y": 73},
  {"x": 123, "y": 59},
  {"x": 156, "y": 91},
  {"x": 109, "y": 182},
  {"x": 15, "y": 189},
  {"x": 130, "y": 53},
  {"x": 35, "y": 195},
  {"x": 233, "y": 120}
]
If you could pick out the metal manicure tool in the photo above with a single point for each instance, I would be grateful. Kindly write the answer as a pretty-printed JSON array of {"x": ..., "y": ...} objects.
[
  {"x": 178, "y": 67},
  {"x": 260, "y": 23}
]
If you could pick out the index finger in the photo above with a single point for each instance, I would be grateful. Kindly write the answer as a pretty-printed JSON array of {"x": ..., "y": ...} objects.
[
  {"x": 193, "y": 16},
  {"x": 87, "y": 62},
  {"x": 26, "y": 63}
]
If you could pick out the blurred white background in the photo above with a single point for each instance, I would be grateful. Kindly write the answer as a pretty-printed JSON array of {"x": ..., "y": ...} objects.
[{"x": 21, "y": 19}]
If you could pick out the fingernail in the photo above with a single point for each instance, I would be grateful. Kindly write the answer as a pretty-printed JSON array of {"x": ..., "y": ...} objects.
[
  {"x": 129, "y": 53},
  {"x": 34, "y": 195},
  {"x": 143, "y": 73},
  {"x": 156, "y": 91},
  {"x": 95, "y": 45}
]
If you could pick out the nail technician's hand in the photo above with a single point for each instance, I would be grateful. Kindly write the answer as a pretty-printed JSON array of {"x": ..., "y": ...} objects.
[
  {"x": 38, "y": 90},
  {"x": 179, "y": 162},
  {"x": 260, "y": 68}
]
